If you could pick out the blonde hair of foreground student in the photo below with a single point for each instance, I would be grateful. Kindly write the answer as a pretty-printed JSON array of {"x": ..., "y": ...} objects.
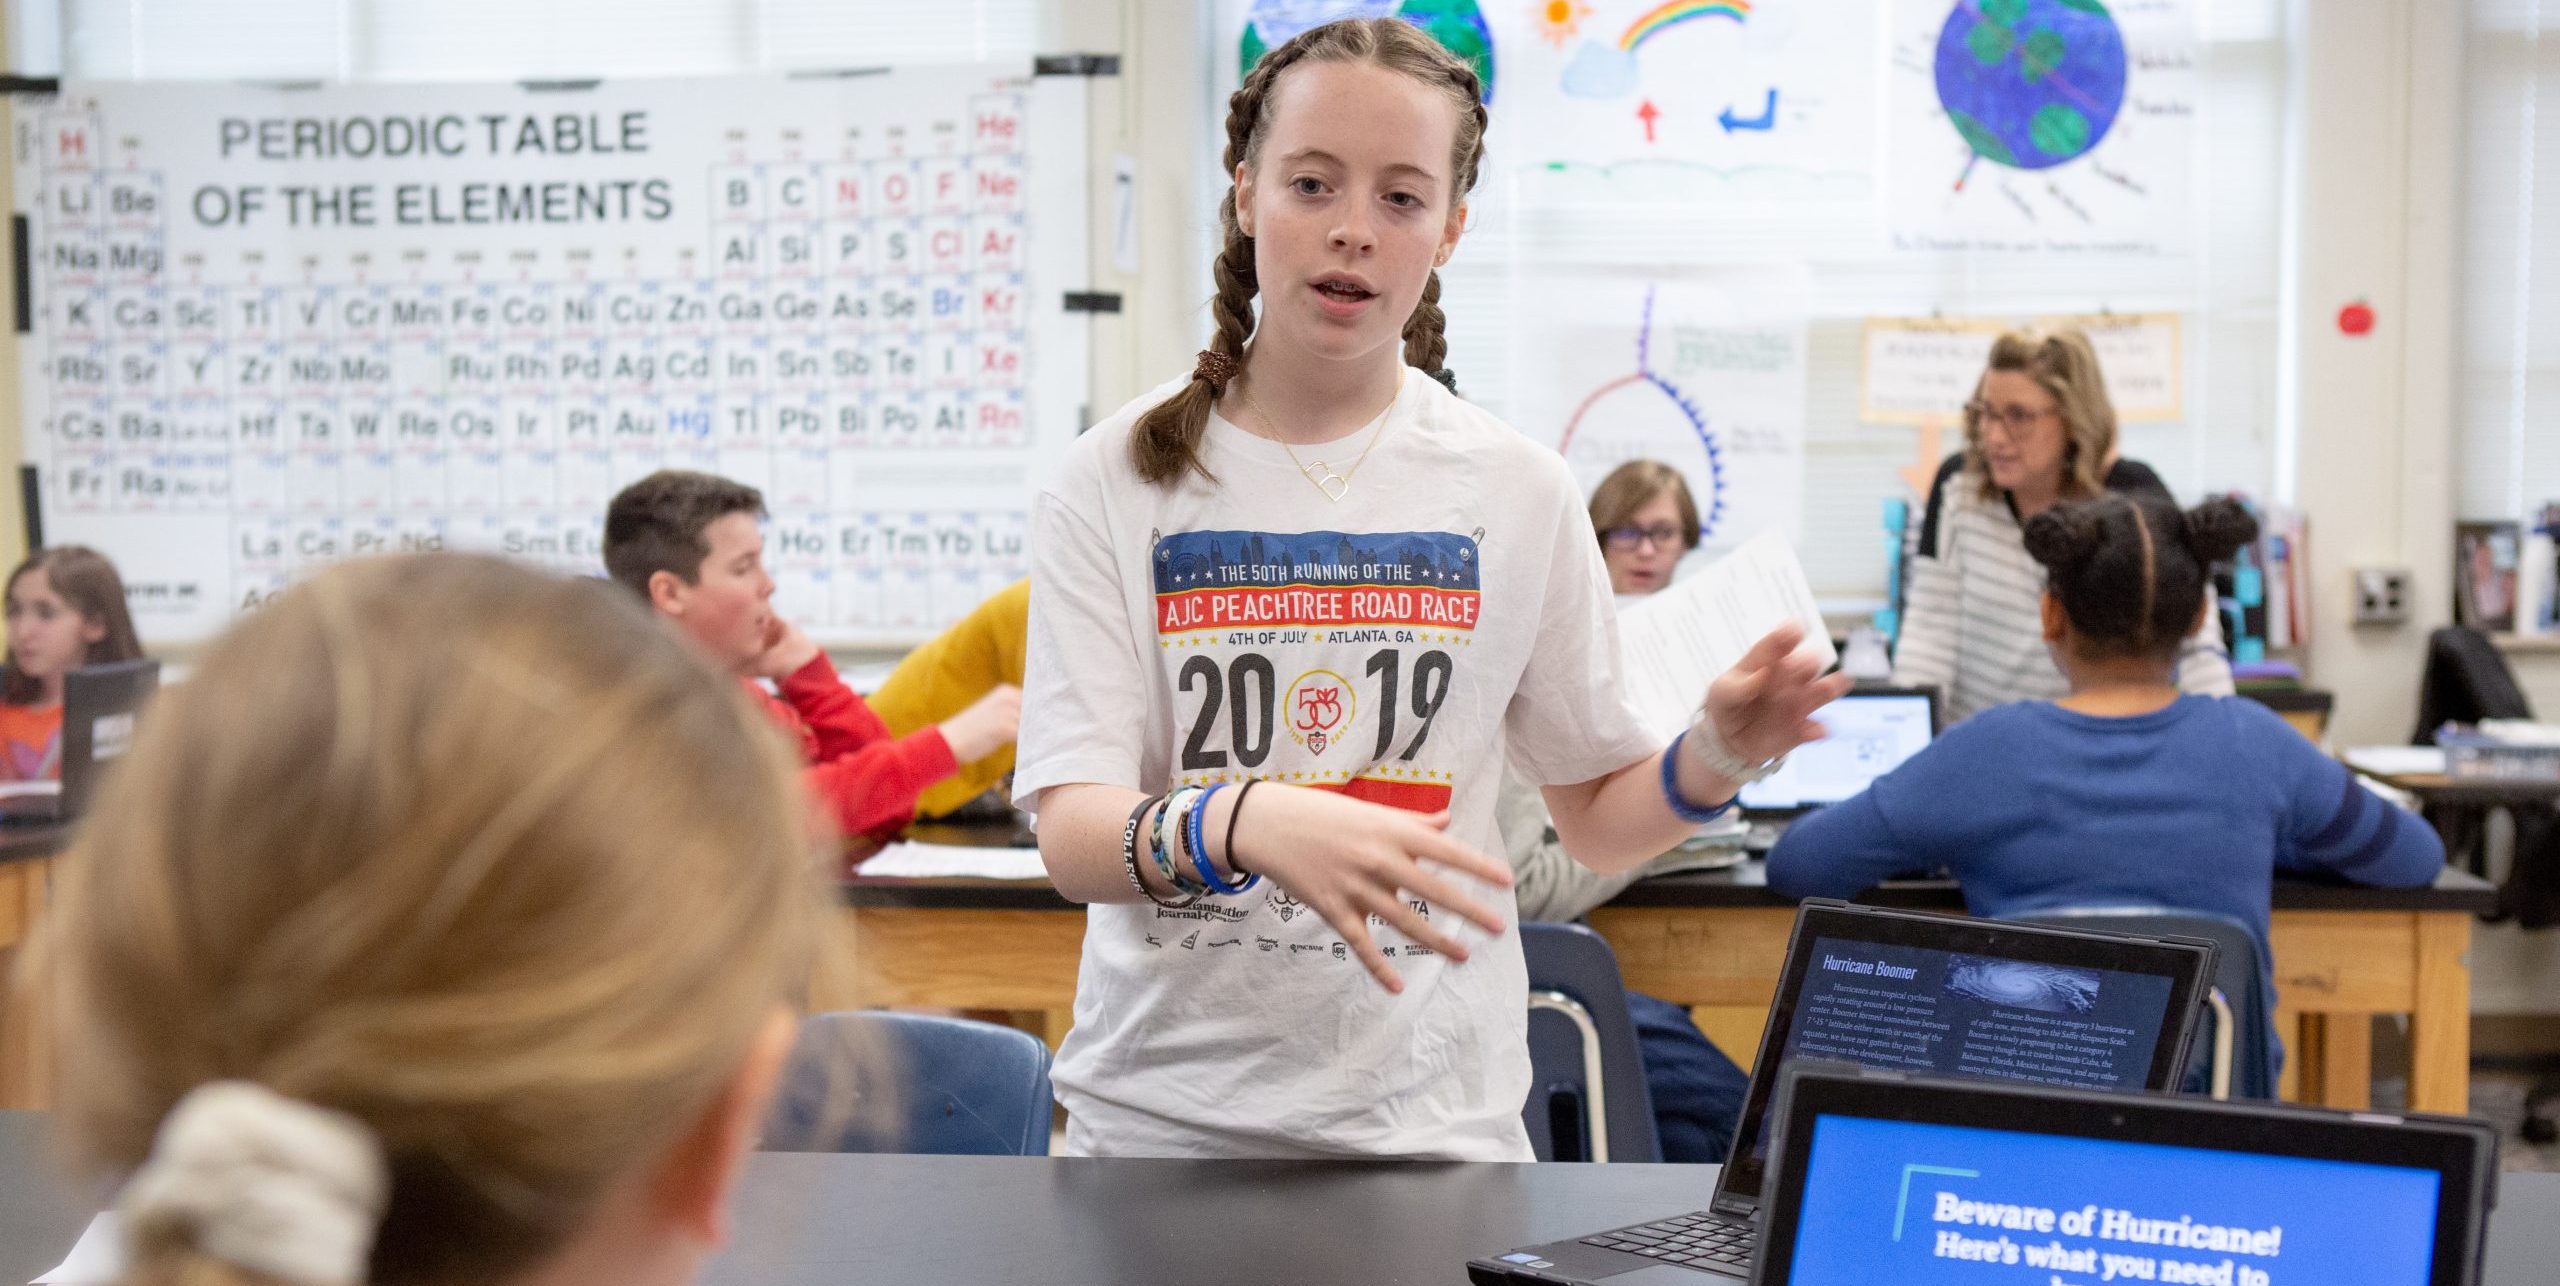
[{"x": 478, "y": 857}]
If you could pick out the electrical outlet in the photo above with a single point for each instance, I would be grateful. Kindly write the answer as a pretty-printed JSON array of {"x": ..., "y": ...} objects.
[{"x": 2382, "y": 595}]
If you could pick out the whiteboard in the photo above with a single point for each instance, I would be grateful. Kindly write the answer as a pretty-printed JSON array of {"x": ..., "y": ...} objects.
[{"x": 275, "y": 327}]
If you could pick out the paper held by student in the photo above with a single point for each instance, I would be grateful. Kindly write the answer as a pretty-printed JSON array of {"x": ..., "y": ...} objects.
[{"x": 1673, "y": 644}]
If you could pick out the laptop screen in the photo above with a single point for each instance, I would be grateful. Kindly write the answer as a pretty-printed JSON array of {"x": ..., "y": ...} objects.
[
  {"x": 100, "y": 704},
  {"x": 1924, "y": 1183},
  {"x": 1871, "y": 733},
  {"x": 1928, "y": 994},
  {"x": 1921, "y": 1205}
]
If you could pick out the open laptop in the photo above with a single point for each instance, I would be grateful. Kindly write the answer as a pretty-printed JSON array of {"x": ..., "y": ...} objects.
[
  {"x": 99, "y": 706},
  {"x": 1882, "y": 1178},
  {"x": 1915, "y": 991},
  {"x": 1871, "y": 732}
]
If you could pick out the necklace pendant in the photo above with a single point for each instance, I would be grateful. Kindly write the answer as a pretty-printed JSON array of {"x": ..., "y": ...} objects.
[{"x": 1333, "y": 485}]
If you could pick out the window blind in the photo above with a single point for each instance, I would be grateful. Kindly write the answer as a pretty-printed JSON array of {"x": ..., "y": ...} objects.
[{"x": 2508, "y": 360}]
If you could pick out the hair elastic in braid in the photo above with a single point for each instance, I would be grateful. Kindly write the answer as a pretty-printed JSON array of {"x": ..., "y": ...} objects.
[{"x": 1215, "y": 369}]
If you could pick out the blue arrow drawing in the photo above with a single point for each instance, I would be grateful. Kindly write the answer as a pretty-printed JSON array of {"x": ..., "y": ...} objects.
[{"x": 1768, "y": 117}]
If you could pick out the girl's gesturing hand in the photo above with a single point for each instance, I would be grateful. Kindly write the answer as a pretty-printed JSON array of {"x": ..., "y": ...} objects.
[
  {"x": 1763, "y": 707},
  {"x": 1348, "y": 860}
]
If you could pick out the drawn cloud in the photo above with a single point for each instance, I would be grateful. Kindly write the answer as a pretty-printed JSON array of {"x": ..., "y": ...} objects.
[{"x": 1600, "y": 71}]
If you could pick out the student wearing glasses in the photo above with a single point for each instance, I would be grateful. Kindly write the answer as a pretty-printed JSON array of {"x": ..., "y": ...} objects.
[
  {"x": 1647, "y": 523},
  {"x": 2038, "y": 432}
]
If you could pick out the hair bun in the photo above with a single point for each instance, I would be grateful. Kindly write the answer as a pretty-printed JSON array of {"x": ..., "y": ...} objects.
[
  {"x": 2219, "y": 528},
  {"x": 2065, "y": 536}
]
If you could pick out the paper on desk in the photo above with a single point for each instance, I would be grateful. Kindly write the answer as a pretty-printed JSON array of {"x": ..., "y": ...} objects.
[
  {"x": 2396, "y": 761},
  {"x": 2522, "y": 732},
  {"x": 1681, "y": 860},
  {"x": 1674, "y": 643},
  {"x": 943, "y": 861},
  {"x": 97, "y": 1259}
]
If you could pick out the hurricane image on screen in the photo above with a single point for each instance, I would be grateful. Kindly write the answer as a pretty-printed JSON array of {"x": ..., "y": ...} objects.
[{"x": 2021, "y": 984}]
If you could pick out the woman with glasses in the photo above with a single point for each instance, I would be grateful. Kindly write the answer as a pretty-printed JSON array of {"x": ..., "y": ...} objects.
[
  {"x": 1647, "y": 522},
  {"x": 2038, "y": 432}
]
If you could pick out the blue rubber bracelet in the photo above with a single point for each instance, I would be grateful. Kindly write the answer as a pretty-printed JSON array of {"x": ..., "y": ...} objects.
[
  {"x": 1681, "y": 808},
  {"x": 1192, "y": 825}
]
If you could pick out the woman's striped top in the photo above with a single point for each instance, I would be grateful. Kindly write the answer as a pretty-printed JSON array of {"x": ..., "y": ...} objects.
[{"x": 1973, "y": 627}]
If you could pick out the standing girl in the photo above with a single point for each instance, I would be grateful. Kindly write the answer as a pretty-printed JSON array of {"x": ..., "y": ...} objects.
[
  {"x": 66, "y": 610},
  {"x": 1317, "y": 599}
]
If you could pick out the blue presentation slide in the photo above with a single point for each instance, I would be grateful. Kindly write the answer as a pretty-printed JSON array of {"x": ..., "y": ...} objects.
[{"x": 1938, "y": 1205}]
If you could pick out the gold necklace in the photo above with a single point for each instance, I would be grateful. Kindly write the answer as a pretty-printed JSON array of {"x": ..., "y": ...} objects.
[{"x": 1334, "y": 485}]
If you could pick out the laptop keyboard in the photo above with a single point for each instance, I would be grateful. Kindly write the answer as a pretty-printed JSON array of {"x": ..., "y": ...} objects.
[{"x": 1696, "y": 1239}]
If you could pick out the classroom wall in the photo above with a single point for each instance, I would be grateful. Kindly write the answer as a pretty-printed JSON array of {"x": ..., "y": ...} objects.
[
  {"x": 2539, "y": 672},
  {"x": 2376, "y": 176},
  {"x": 1151, "y": 113}
]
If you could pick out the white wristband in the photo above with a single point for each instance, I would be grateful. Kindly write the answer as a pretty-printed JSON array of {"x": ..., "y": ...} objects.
[{"x": 1718, "y": 758}]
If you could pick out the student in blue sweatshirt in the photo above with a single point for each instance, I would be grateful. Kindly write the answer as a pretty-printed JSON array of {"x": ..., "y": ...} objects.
[{"x": 2126, "y": 791}]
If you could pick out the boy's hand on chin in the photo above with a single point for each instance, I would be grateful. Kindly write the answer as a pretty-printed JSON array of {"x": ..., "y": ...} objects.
[{"x": 786, "y": 649}]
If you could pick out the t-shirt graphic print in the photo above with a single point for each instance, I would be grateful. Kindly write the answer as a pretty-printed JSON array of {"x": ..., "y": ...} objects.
[{"x": 1336, "y": 650}]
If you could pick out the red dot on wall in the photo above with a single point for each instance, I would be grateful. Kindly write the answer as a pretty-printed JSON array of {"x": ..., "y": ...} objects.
[{"x": 2356, "y": 319}]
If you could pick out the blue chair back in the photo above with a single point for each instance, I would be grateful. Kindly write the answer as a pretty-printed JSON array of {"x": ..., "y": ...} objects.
[
  {"x": 2235, "y": 1053},
  {"x": 1587, "y": 1095},
  {"x": 876, "y": 1081}
]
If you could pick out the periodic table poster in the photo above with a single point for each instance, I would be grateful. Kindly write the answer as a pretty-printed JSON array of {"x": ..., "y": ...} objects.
[{"x": 273, "y": 327}]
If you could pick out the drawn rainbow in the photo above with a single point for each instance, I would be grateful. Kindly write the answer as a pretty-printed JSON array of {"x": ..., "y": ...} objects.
[{"x": 1675, "y": 12}]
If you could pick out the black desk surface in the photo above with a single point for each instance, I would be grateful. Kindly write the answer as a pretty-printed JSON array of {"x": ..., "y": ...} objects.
[
  {"x": 865, "y": 1220},
  {"x": 1745, "y": 885}
]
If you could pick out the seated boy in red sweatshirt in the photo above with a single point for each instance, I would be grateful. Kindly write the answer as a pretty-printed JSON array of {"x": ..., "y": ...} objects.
[{"x": 692, "y": 544}]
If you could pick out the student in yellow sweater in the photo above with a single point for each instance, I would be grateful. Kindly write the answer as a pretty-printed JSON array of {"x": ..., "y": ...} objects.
[{"x": 980, "y": 654}]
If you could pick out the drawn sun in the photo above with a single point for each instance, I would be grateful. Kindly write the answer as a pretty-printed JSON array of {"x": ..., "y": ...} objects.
[{"x": 1559, "y": 20}]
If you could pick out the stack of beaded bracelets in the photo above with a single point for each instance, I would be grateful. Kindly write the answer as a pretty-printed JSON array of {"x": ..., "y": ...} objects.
[{"x": 1176, "y": 846}]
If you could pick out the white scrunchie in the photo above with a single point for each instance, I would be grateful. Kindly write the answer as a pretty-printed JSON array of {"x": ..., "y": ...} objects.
[{"x": 272, "y": 1184}]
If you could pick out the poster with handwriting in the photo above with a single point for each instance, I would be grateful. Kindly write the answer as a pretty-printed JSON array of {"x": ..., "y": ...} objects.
[
  {"x": 2043, "y": 127},
  {"x": 1922, "y": 370},
  {"x": 1703, "y": 369}
]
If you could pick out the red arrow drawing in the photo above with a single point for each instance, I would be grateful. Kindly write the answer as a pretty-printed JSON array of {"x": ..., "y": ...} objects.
[{"x": 1647, "y": 114}]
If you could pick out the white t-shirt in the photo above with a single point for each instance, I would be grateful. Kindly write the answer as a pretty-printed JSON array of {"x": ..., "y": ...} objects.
[{"x": 1391, "y": 644}]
